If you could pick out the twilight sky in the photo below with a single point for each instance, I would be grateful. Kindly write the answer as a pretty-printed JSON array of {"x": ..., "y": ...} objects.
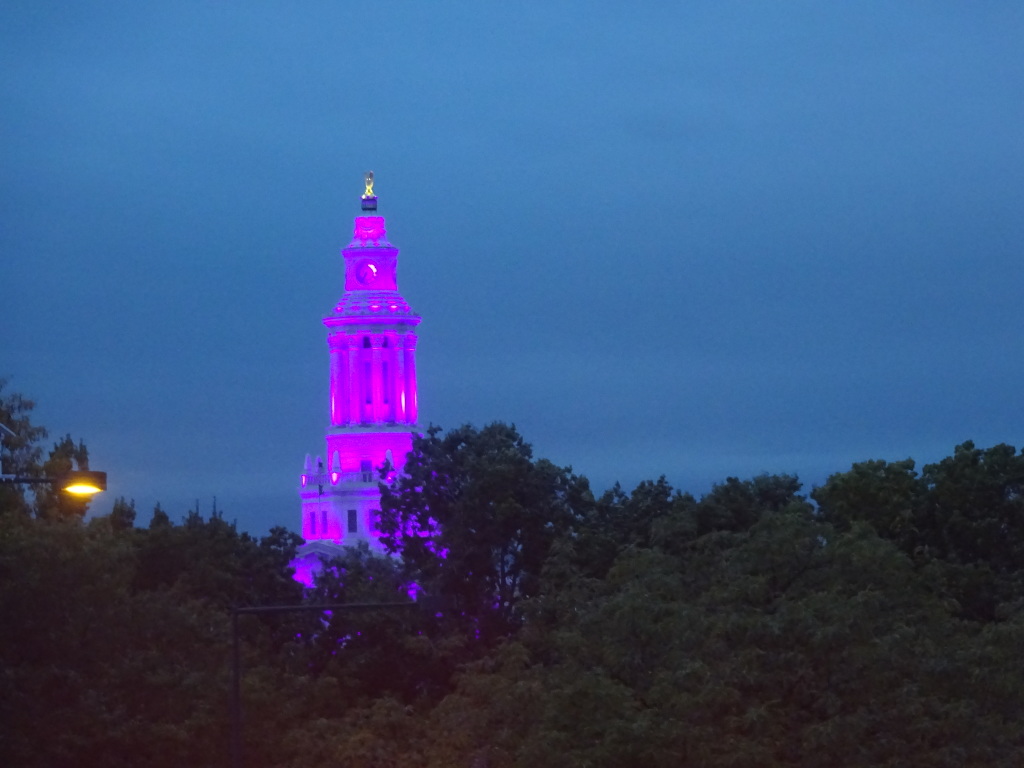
[{"x": 695, "y": 239}]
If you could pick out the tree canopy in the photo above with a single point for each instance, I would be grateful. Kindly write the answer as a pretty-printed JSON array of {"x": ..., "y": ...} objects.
[
  {"x": 21, "y": 455},
  {"x": 961, "y": 520},
  {"x": 875, "y": 623},
  {"x": 474, "y": 517}
]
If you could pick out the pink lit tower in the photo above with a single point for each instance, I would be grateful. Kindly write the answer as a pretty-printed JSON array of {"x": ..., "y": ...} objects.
[{"x": 371, "y": 335}]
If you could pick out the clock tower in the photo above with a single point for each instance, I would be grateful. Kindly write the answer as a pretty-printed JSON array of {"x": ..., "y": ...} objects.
[{"x": 371, "y": 338}]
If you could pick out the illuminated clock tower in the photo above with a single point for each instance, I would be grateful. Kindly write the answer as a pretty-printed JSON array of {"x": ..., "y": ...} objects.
[{"x": 371, "y": 336}]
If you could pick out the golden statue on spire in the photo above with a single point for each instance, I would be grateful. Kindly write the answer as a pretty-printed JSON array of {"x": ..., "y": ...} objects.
[{"x": 369, "y": 200}]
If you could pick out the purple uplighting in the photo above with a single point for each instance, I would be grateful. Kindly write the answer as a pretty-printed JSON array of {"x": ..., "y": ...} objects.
[{"x": 373, "y": 404}]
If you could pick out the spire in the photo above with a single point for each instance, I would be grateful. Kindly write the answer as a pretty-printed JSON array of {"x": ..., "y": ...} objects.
[{"x": 369, "y": 199}]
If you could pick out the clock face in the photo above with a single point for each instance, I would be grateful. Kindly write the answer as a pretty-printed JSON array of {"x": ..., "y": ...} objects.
[{"x": 366, "y": 273}]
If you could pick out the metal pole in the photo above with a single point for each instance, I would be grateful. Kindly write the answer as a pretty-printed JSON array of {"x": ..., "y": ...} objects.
[{"x": 236, "y": 695}]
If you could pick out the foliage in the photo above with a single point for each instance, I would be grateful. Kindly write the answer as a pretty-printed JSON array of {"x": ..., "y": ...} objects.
[
  {"x": 20, "y": 451},
  {"x": 21, "y": 456},
  {"x": 647, "y": 628},
  {"x": 396, "y": 651},
  {"x": 961, "y": 519},
  {"x": 474, "y": 518},
  {"x": 96, "y": 672},
  {"x": 51, "y": 502}
]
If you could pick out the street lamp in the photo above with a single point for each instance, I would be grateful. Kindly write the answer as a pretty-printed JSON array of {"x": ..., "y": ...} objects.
[
  {"x": 79, "y": 482},
  {"x": 83, "y": 482}
]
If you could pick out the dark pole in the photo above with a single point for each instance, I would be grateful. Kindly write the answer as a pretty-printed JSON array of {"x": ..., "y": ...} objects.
[
  {"x": 236, "y": 664},
  {"x": 236, "y": 695}
]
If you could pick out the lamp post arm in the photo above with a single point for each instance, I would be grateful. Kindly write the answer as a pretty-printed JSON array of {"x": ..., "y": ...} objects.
[
  {"x": 26, "y": 480},
  {"x": 320, "y": 607},
  {"x": 80, "y": 482}
]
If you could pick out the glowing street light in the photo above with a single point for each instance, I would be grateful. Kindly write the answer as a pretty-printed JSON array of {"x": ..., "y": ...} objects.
[
  {"x": 79, "y": 482},
  {"x": 83, "y": 482}
]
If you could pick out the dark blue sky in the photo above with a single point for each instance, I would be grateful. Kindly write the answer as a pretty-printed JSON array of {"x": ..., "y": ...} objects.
[{"x": 690, "y": 239}]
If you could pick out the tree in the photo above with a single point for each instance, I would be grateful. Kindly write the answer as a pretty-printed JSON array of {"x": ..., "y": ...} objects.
[
  {"x": 20, "y": 452},
  {"x": 128, "y": 677},
  {"x": 788, "y": 643},
  {"x": 50, "y": 501},
  {"x": 620, "y": 520},
  {"x": 21, "y": 455},
  {"x": 474, "y": 516},
  {"x": 974, "y": 510},
  {"x": 962, "y": 519},
  {"x": 122, "y": 516},
  {"x": 211, "y": 560},
  {"x": 886, "y": 495}
]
